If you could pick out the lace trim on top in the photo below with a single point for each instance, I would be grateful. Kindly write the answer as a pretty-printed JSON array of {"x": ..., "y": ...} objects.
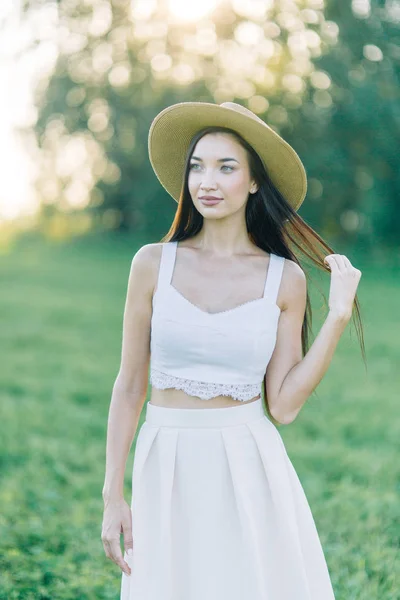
[{"x": 203, "y": 389}]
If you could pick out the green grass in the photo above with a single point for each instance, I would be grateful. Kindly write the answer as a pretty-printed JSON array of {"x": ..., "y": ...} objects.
[{"x": 61, "y": 312}]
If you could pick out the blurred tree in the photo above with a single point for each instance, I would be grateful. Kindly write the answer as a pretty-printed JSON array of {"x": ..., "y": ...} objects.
[
  {"x": 325, "y": 77},
  {"x": 353, "y": 159}
]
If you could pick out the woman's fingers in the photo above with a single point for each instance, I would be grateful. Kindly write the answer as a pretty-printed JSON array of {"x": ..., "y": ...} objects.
[
  {"x": 116, "y": 520},
  {"x": 340, "y": 262},
  {"x": 344, "y": 282},
  {"x": 126, "y": 528},
  {"x": 112, "y": 549},
  {"x": 337, "y": 260},
  {"x": 128, "y": 540},
  {"x": 331, "y": 262},
  {"x": 346, "y": 261},
  {"x": 118, "y": 558},
  {"x": 354, "y": 271}
]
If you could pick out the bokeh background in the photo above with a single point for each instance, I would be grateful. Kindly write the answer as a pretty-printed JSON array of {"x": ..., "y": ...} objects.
[{"x": 80, "y": 82}]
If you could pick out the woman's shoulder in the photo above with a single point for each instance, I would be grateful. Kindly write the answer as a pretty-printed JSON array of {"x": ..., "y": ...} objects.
[
  {"x": 148, "y": 254},
  {"x": 293, "y": 284},
  {"x": 145, "y": 264},
  {"x": 293, "y": 271}
]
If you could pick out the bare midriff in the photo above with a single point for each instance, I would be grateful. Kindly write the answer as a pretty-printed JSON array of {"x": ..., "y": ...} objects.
[{"x": 172, "y": 398}]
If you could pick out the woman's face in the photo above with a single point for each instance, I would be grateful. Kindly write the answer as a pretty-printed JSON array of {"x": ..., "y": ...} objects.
[{"x": 211, "y": 174}]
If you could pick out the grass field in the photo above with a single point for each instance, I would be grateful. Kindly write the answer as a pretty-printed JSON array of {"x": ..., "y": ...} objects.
[{"x": 61, "y": 312}]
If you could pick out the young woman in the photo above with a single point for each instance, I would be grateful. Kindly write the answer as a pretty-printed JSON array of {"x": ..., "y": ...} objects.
[{"x": 220, "y": 311}]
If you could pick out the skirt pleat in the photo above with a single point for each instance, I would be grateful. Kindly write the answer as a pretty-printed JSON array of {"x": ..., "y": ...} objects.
[{"x": 218, "y": 511}]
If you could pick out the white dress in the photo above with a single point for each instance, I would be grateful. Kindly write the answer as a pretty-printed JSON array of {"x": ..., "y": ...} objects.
[{"x": 218, "y": 512}]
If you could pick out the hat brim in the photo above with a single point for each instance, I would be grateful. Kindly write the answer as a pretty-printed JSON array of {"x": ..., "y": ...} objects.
[{"x": 173, "y": 128}]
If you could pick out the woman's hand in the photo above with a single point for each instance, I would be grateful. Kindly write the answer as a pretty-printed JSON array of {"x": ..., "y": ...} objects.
[
  {"x": 344, "y": 282},
  {"x": 117, "y": 519}
]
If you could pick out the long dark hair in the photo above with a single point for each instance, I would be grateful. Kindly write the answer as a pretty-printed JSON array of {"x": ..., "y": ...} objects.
[{"x": 272, "y": 224}]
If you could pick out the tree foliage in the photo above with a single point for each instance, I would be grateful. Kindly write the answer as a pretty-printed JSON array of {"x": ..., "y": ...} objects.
[{"x": 324, "y": 75}]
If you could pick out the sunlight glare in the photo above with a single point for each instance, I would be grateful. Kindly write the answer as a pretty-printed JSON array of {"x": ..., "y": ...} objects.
[{"x": 191, "y": 11}]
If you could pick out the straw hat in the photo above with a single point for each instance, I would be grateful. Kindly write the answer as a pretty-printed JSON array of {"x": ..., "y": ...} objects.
[{"x": 172, "y": 129}]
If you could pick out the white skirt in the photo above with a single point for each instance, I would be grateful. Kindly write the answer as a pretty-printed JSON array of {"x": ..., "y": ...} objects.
[{"x": 218, "y": 511}]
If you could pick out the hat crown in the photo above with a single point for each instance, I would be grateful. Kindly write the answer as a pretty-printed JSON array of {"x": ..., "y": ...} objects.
[{"x": 242, "y": 109}]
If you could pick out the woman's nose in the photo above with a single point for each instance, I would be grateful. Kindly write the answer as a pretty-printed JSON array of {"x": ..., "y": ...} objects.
[{"x": 208, "y": 182}]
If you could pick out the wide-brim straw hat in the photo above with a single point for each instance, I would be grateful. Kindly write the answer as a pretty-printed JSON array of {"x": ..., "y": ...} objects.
[{"x": 173, "y": 128}]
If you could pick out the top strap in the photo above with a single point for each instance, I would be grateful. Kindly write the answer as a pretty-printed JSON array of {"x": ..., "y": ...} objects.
[
  {"x": 167, "y": 263},
  {"x": 274, "y": 276}
]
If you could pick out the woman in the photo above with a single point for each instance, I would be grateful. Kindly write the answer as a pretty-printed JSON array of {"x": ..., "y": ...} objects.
[{"x": 219, "y": 310}]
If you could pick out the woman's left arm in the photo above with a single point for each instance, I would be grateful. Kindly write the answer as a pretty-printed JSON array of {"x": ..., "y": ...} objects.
[{"x": 290, "y": 379}]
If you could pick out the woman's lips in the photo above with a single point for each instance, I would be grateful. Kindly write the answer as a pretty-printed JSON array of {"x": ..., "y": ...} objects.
[{"x": 210, "y": 202}]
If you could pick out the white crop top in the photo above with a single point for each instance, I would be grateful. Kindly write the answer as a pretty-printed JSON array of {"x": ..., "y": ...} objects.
[{"x": 211, "y": 354}]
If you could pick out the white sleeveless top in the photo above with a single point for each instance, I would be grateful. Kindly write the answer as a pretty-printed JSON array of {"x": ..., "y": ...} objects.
[{"x": 211, "y": 354}]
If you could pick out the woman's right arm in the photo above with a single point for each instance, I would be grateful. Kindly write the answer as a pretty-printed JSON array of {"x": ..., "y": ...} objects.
[{"x": 127, "y": 400}]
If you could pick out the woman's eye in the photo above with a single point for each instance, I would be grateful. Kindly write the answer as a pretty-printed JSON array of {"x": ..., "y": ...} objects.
[{"x": 223, "y": 166}]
